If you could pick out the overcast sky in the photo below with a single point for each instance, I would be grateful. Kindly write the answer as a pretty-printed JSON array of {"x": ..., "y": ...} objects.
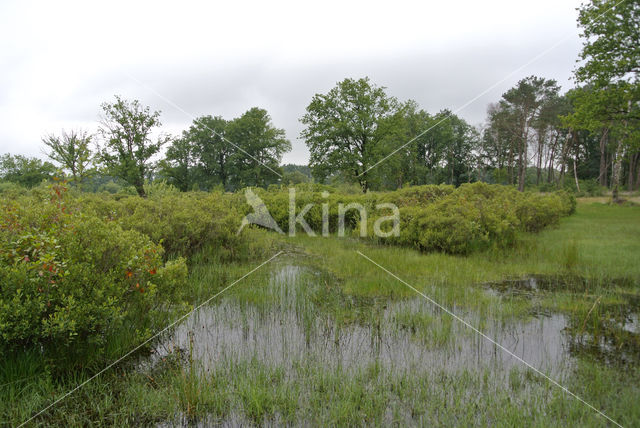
[{"x": 60, "y": 60}]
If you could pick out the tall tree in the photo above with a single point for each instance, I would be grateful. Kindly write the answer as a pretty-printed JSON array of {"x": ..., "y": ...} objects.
[
  {"x": 525, "y": 102},
  {"x": 71, "y": 150},
  {"x": 513, "y": 123},
  {"x": 259, "y": 148},
  {"x": 201, "y": 157},
  {"x": 179, "y": 164},
  {"x": 460, "y": 149},
  {"x": 126, "y": 130},
  {"x": 214, "y": 151},
  {"x": 342, "y": 129},
  {"x": 611, "y": 66}
]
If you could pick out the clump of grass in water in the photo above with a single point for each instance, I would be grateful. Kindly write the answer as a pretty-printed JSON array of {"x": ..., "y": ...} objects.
[{"x": 570, "y": 256}]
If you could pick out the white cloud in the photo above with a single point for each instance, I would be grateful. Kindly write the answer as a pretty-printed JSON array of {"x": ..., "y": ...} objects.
[{"x": 60, "y": 60}]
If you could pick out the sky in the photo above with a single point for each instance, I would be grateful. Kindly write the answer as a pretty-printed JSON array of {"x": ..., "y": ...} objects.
[{"x": 59, "y": 61}]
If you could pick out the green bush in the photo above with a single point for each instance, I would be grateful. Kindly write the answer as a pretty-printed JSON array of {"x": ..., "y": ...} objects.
[
  {"x": 474, "y": 216},
  {"x": 417, "y": 195},
  {"x": 70, "y": 279},
  {"x": 183, "y": 223},
  {"x": 537, "y": 211}
]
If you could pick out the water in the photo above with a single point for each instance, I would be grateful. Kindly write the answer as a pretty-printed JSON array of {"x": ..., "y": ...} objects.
[
  {"x": 292, "y": 324},
  {"x": 293, "y": 330},
  {"x": 610, "y": 332}
]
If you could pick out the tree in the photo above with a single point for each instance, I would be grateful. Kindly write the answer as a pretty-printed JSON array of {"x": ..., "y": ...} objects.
[
  {"x": 126, "y": 130},
  {"x": 611, "y": 51},
  {"x": 439, "y": 148},
  {"x": 342, "y": 129},
  {"x": 24, "y": 170},
  {"x": 259, "y": 149},
  {"x": 460, "y": 144},
  {"x": 179, "y": 164},
  {"x": 213, "y": 151},
  {"x": 296, "y": 174},
  {"x": 610, "y": 66},
  {"x": 71, "y": 150},
  {"x": 200, "y": 157},
  {"x": 514, "y": 120}
]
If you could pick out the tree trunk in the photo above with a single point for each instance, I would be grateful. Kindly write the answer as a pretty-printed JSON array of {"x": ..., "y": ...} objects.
[
  {"x": 633, "y": 160},
  {"x": 522, "y": 163},
  {"x": 552, "y": 154},
  {"x": 140, "y": 189},
  {"x": 618, "y": 161},
  {"x": 630, "y": 173},
  {"x": 539, "y": 164},
  {"x": 575, "y": 176},
  {"x": 602, "y": 178},
  {"x": 615, "y": 175},
  {"x": 638, "y": 176}
]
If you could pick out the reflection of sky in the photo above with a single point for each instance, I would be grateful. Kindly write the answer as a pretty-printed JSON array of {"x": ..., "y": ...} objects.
[{"x": 278, "y": 336}]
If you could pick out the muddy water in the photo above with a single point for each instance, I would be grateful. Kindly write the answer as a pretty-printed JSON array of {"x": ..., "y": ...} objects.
[{"x": 294, "y": 330}]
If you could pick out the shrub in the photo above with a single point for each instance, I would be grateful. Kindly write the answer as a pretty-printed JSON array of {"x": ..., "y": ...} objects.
[
  {"x": 474, "y": 216},
  {"x": 70, "y": 279},
  {"x": 537, "y": 211},
  {"x": 417, "y": 195},
  {"x": 183, "y": 223},
  {"x": 452, "y": 227}
]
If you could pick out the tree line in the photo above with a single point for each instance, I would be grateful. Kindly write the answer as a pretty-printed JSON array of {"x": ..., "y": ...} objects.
[
  {"x": 534, "y": 135},
  {"x": 128, "y": 143}
]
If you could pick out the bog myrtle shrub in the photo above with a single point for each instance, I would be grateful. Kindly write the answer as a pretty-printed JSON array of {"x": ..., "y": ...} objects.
[
  {"x": 183, "y": 223},
  {"x": 432, "y": 217},
  {"x": 420, "y": 196},
  {"x": 277, "y": 202},
  {"x": 70, "y": 278},
  {"x": 474, "y": 216}
]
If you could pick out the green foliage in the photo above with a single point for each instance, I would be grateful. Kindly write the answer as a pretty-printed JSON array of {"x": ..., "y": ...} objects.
[
  {"x": 536, "y": 211},
  {"x": 231, "y": 154},
  {"x": 25, "y": 171},
  {"x": 473, "y": 216},
  {"x": 201, "y": 157},
  {"x": 71, "y": 280},
  {"x": 416, "y": 195},
  {"x": 432, "y": 218},
  {"x": 181, "y": 222},
  {"x": 259, "y": 149},
  {"x": 342, "y": 129},
  {"x": 611, "y": 51},
  {"x": 529, "y": 107},
  {"x": 126, "y": 130},
  {"x": 71, "y": 151}
]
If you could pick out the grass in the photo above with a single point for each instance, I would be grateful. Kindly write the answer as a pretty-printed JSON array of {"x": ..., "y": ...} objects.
[{"x": 338, "y": 290}]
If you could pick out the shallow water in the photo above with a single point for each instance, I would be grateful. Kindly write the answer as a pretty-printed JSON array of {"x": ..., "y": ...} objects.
[
  {"x": 291, "y": 324},
  {"x": 614, "y": 339},
  {"x": 293, "y": 330}
]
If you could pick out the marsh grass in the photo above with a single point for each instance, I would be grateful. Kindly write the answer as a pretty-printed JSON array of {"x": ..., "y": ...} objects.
[{"x": 340, "y": 290}]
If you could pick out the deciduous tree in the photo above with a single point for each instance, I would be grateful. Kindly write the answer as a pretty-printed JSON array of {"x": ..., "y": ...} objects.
[{"x": 126, "y": 130}]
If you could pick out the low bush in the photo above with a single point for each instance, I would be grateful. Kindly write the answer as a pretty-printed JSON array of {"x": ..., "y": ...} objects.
[
  {"x": 183, "y": 223},
  {"x": 417, "y": 195},
  {"x": 476, "y": 216},
  {"x": 71, "y": 279}
]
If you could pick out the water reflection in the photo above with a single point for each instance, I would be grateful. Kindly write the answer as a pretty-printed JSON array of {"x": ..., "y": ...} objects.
[{"x": 411, "y": 335}]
